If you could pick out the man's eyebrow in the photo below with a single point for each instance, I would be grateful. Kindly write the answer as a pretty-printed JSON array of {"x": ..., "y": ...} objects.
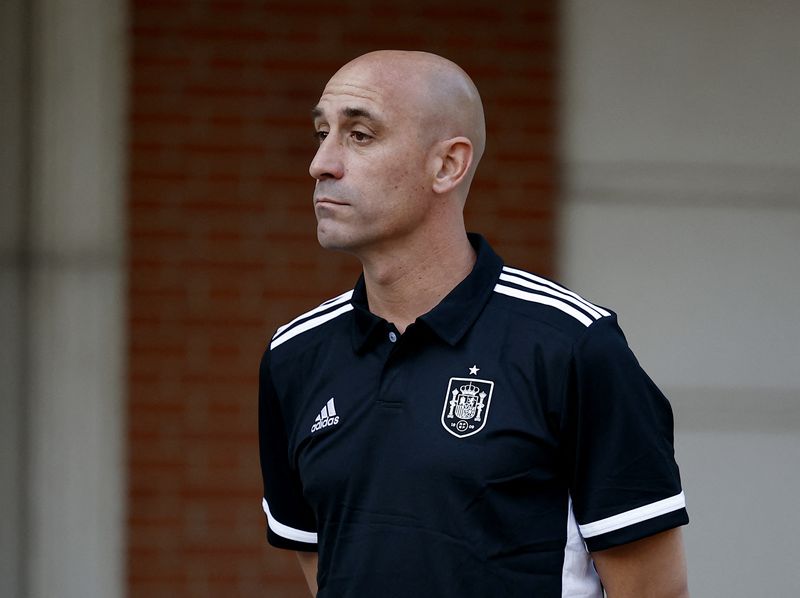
[
  {"x": 357, "y": 113},
  {"x": 348, "y": 112}
]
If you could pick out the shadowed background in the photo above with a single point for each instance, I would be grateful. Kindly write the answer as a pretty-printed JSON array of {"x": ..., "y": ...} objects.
[{"x": 223, "y": 247}]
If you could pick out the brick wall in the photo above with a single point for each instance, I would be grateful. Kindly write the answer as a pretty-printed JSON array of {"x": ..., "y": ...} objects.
[{"x": 222, "y": 239}]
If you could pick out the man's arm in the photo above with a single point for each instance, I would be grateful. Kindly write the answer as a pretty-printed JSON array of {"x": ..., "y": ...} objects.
[
  {"x": 308, "y": 563},
  {"x": 653, "y": 567}
]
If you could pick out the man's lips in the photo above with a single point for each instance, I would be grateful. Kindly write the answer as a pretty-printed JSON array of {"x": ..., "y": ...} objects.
[{"x": 329, "y": 201}]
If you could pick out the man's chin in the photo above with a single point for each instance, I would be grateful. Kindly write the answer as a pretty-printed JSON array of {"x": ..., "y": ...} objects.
[{"x": 331, "y": 240}]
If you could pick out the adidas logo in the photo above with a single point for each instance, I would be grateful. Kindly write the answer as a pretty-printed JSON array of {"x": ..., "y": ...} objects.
[{"x": 327, "y": 417}]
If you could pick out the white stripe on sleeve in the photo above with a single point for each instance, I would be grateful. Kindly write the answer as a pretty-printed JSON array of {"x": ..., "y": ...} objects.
[
  {"x": 556, "y": 287},
  {"x": 545, "y": 300},
  {"x": 285, "y": 531},
  {"x": 545, "y": 290},
  {"x": 344, "y": 297},
  {"x": 615, "y": 522},
  {"x": 309, "y": 324}
]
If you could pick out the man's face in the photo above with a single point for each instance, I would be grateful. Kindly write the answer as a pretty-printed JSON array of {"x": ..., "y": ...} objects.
[{"x": 372, "y": 186}]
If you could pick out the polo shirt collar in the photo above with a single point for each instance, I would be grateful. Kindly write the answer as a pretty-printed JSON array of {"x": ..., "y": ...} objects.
[{"x": 453, "y": 316}]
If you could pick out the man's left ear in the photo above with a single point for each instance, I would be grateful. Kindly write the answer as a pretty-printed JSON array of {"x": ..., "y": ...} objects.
[{"x": 454, "y": 160}]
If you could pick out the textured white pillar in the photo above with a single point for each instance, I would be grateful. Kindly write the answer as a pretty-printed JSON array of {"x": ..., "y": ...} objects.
[
  {"x": 682, "y": 150},
  {"x": 76, "y": 465},
  {"x": 13, "y": 56}
]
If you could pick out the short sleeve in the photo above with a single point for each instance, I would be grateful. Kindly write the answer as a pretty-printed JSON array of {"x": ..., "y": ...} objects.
[
  {"x": 625, "y": 484},
  {"x": 290, "y": 521}
]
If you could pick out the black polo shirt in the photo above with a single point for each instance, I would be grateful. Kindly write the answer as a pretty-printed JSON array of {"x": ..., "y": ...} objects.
[{"x": 484, "y": 452}]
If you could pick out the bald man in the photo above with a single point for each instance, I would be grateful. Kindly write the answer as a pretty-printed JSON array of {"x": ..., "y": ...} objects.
[{"x": 453, "y": 426}]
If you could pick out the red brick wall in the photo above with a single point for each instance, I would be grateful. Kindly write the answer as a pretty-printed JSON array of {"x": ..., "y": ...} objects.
[{"x": 222, "y": 239}]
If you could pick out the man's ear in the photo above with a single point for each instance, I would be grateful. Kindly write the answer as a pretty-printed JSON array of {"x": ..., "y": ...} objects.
[{"x": 453, "y": 159}]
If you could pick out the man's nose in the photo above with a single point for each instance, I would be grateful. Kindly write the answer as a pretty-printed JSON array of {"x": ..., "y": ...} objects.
[{"x": 327, "y": 162}]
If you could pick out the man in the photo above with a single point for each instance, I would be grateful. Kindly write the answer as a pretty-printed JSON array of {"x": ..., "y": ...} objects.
[{"x": 453, "y": 426}]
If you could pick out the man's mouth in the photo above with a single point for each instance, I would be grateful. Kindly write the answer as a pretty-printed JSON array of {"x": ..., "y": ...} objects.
[{"x": 329, "y": 201}]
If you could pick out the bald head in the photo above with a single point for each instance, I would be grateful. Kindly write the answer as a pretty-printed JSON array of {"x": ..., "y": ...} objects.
[
  {"x": 434, "y": 91},
  {"x": 401, "y": 134}
]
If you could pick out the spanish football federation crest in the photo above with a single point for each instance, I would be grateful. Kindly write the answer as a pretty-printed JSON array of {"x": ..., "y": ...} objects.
[{"x": 466, "y": 406}]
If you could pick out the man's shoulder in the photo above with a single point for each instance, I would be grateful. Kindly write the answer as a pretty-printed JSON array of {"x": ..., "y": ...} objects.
[
  {"x": 302, "y": 327},
  {"x": 536, "y": 300}
]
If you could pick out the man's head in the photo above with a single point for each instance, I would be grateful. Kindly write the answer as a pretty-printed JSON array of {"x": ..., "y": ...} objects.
[{"x": 401, "y": 134}]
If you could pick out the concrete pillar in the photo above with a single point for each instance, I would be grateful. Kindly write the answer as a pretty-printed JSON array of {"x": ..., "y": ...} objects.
[
  {"x": 13, "y": 180},
  {"x": 63, "y": 279},
  {"x": 682, "y": 180}
]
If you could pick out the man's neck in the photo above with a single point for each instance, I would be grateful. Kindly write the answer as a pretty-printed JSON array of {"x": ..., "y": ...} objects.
[{"x": 403, "y": 285}]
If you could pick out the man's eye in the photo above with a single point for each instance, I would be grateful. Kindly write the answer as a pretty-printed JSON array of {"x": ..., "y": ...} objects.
[{"x": 320, "y": 135}]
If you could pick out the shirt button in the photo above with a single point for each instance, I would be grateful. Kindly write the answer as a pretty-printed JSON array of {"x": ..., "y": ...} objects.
[{"x": 393, "y": 337}]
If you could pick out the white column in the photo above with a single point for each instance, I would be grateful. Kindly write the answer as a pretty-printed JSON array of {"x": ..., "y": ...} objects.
[
  {"x": 76, "y": 390},
  {"x": 682, "y": 147},
  {"x": 13, "y": 56}
]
